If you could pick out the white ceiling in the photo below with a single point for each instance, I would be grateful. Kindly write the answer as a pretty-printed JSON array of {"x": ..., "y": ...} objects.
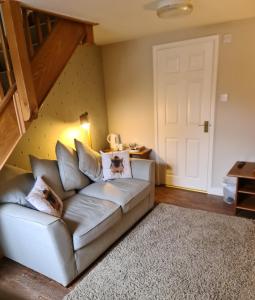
[{"x": 121, "y": 20}]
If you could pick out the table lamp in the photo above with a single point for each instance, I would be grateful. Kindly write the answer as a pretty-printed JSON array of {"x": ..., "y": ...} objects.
[{"x": 84, "y": 121}]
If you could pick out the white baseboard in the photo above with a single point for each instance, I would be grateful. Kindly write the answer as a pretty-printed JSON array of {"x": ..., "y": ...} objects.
[{"x": 217, "y": 191}]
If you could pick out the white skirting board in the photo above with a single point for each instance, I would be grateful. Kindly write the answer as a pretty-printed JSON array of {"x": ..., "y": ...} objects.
[{"x": 217, "y": 191}]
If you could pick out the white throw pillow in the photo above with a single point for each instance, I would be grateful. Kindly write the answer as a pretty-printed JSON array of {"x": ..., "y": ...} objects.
[
  {"x": 116, "y": 165},
  {"x": 44, "y": 199}
]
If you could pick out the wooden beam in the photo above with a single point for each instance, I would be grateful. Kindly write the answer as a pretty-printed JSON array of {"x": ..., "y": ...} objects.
[
  {"x": 20, "y": 59},
  {"x": 53, "y": 55},
  {"x": 89, "y": 36},
  {"x": 18, "y": 108}
]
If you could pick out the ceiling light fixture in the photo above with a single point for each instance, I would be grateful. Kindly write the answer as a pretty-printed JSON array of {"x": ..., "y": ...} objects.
[{"x": 174, "y": 8}]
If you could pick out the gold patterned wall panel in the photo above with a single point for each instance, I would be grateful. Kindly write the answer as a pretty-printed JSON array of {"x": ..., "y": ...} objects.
[{"x": 79, "y": 89}]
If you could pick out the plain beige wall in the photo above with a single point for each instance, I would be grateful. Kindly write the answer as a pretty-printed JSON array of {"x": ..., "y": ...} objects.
[
  {"x": 128, "y": 74},
  {"x": 80, "y": 88}
]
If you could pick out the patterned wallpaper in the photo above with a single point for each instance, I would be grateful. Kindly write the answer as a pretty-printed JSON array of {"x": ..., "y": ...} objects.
[{"x": 80, "y": 88}]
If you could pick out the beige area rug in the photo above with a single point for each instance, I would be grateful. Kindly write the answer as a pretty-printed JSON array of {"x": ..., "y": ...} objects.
[{"x": 177, "y": 253}]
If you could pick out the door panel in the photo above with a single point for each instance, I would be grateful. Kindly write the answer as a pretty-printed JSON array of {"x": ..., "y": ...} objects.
[
  {"x": 172, "y": 150},
  {"x": 172, "y": 64},
  {"x": 196, "y": 61},
  {"x": 172, "y": 104},
  {"x": 192, "y": 158},
  {"x": 184, "y": 75},
  {"x": 194, "y": 101}
]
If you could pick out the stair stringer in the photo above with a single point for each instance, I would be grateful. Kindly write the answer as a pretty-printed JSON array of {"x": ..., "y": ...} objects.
[{"x": 54, "y": 54}]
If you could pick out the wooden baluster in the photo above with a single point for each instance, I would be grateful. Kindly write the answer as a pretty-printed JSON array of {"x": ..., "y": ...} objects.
[
  {"x": 6, "y": 62},
  {"x": 7, "y": 59},
  {"x": 28, "y": 34},
  {"x": 49, "y": 26},
  {"x": 1, "y": 91},
  {"x": 38, "y": 28}
]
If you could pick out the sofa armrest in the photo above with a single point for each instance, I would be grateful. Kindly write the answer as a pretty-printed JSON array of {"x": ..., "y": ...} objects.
[
  {"x": 24, "y": 214},
  {"x": 143, "y": 169},
  {"x": 38, "y": 241}
]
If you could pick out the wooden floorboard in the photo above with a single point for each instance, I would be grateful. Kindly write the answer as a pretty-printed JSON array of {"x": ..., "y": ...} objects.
[
  {"x": 194, "y": 200},
  {"x": 18, "y": 282},
  {"x": 21, "y": 283}
]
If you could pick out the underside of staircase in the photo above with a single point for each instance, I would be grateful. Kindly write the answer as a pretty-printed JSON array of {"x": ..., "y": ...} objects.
[{"x": 35, "y": 46}]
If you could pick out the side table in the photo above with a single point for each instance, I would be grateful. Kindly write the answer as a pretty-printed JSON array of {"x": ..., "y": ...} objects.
[{"x": 143, "y": 154}]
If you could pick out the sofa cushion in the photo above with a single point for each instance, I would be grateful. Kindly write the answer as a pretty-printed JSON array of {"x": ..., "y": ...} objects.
[
  {"x": 48, "y": 169},
  {"x": 88, "y": 218},
  {"x": 72, "y": 178},
  {"x": 15, "y": 184},
  {"x": 89, "y": 161},
  {"x": 116, "y": 165},
  {"x": 125, "y": 192},
  {"x": 43, "y": 198}
]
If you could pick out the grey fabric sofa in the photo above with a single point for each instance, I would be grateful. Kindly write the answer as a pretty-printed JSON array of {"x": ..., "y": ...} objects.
[{"x": 93, "y": 219}]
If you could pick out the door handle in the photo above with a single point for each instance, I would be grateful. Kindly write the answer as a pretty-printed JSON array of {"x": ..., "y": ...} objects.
[{"x": 206, "y": 126}]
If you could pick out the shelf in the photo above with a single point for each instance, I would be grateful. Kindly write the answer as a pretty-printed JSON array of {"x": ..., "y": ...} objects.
[
  {"x": 247, "y": 189},
  {"x": 246, "y": 204},
  {"x": 246, "y": 192}
]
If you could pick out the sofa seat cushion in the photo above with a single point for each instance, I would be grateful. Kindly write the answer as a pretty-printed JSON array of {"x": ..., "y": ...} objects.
[
  {"x": 125, "y": 192},
  {"x": 87, "y": 218}
]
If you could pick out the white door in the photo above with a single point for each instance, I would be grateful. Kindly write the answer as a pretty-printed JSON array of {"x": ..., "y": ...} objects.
[{"x": 185, "y": 83}]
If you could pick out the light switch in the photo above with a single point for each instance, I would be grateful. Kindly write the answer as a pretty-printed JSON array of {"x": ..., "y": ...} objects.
[{"x": 224, "y": 97}]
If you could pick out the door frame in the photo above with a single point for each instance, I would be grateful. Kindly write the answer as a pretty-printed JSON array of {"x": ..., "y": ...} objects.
[{"x": 155, "y": 49}]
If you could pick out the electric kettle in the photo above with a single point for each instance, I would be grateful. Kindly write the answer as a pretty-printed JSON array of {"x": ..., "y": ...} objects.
[{"x": 114, "y": 140}]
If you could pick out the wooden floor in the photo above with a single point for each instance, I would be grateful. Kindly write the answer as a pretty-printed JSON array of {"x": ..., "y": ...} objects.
[
  {"x": 193, "y": 200},
  {"x": 21, "y": 283}
]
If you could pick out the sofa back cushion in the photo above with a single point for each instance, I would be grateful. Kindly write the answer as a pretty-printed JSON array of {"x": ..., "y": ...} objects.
[
  {"x": 15, "y": 185},
  {"x": 48, "y": 169},
  {"x": 72, "y": 178},
  {"x": 89, "y": 161}
]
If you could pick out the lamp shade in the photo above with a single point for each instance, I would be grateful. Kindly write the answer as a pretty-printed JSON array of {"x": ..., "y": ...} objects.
[{"x": 84, "y": 120}]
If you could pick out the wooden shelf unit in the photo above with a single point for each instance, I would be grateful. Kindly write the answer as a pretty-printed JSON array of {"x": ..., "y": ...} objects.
[{"x": 245, "y": 191}]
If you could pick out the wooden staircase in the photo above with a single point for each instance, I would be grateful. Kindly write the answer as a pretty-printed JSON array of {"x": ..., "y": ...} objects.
[{"x": 35, "y": 47}]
